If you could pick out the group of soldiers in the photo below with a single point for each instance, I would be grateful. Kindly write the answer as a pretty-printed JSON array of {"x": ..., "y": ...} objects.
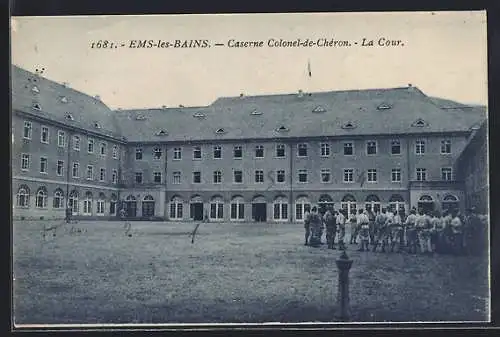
[{"x": 425, "y": 232}]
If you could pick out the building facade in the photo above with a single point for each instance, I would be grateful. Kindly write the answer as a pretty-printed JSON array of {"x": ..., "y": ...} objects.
[{"x": 255, "y": 158}]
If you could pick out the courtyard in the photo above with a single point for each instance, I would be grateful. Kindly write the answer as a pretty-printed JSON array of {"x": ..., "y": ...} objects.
[{"x": 95, "y": 272}]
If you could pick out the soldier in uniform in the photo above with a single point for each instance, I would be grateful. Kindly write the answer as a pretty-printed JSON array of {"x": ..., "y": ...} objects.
[
  {"x": 364, "y": 230},
  {"x": 316, "y": 224},
  {"x": 396, "y": 231},
  {"x": 354, "y": 227},
  {"x": 68, "y": 214},
  {"x": 411, "y": 231},
  {"x": 380, "y": 224},
  {"x": 307, "y": 227},
  {"x": 340, "y": 220},
  {"x": 423, "y": 232},
  {"x": 457, "y": 232},
  {"x": 371, "y": 219},
  {"x": 331, "y": 227}
]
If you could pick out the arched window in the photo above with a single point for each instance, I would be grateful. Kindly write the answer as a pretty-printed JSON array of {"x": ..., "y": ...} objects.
[
  {"x": 148, "y": 206},
  {"x": 87, "y": 204},
  {"x": 73, "y": 202},
  {"x": 302, "y": 205},
  {"x": 41, "y": 198},
  {"x": 131, "y": 198},
  {"x": 396, "y": 203},
  {"x": 280, "y": 209},
  {"x": 23, "y": 196},
  {"x": 100, "y": 204},
  {"x": 112, "y": 204},
  {"x": 450, "y": 203},
  {"x": 348, "y": 204},
  {"x": 217, "y": 208},
  {"x": 372, "y": 203},
  {"x": 237, "y": 208},
  {"x": 58, "y": 201},
  {"x": 176, "y": 208},
  {"x": 325, "y": 201}
]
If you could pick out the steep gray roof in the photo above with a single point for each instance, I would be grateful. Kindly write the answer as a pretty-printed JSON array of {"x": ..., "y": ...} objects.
[
  {"x": 364, "y": 109},
  {"x": 57, "y": 101}
]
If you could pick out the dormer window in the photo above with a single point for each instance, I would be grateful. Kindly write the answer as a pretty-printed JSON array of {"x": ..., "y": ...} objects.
[
  {"x": 35, "y": 89},
  {"x": 420, "y": 123},
  {"x": 69, "y": 116},
  {"x": 37, "y": 107},
  {"x": 319, "y": 109},
  {"x": 161, "y": 133},
  {"x": 97, "y": 125},
  {"x": 199, "y": 115},
  {"x": 256, "y": 112},
  {"x": 64, "y": 99},
  {"x": 140, "y": 117},
  {"x": 349, "y": 125},
  {"x": 282, "y": 129},
  {"x": 384, "y": 106},
  {"x": 220, "y": 131}
]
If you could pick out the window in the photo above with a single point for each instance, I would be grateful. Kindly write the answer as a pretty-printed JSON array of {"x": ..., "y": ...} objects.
[
  {"x": 138, "y": 154},
  {"x": 87, "y": 204},
  {"x": 302, "y": 205},
  {"x": 197, "y": 152},
  {"x": 372, "y": 203},
  {"x": 216, "y": 209},
  {"x": 176, "y": 208},
  {"x": 176, "y": 177},
  {"x": 302, "y": 176},
  {"x": 395, "y": 147},
  {"x": 177, "y": 153},
  {"x": 90, "y": 172},
  {"x": 348, "y": 149},
  {"x": 114, "y": 177},
  {"x": 157, "y": 177},
  {"x": 302, "y": 150},
  {"x": 280, "y": 209},
  {"x": 27, "y": 130},
  {"x": 58, "y": 201},
  {"x": 157, "y": 153},
  {"x": 217, "y": 152},
  {"x": 259, "y": 176},
  {"x": 61, "y": 138},
  {"x": 23, "y": 197},
  {"x": 325, "y": 175},
  {"x": 237, "y": 152},
  {"x": 102, "y": 174},
  {"x": 220, "y": 131},
  {"x": 76, "y": 143},
  {"x": 280, "y": 151},
  {"x": 238, "y": 176},
  {"x": 420, "y": 147},
  {"x": 446, "y": 146},
  {"x": 41, "y": 198},
  {"x": 446, "y": 174},
  {"x": 25, "y": 162},
  {"x": 100, "y": 206},
  {"x": 371, "y": 147},
  {"x": 325, "y": 149},
  {"x": 138, "y": 177},
  {"x": 237, "y": 209},
  {"x": 73, "y": 202},
  {"x": 197, "y": 177},
  {"x": 90, "y": 145},
  {"x": 115, "y": 152},
  {"x": 217, "y": 177},
  {"x": 43, "y": 165},
  {"x": 348, "y": 175},
  {"x": 280, "y": 176},
  {"x": 44, "y": 135},
  {"x": 372, "y": 175},
  {"x": 76, "y": 170},
  {"x": 259, "y": 151},
  {"x": 60, "y": 168},
  {"x": 396, "y": 175},
  {"x": 421, "y": 174},
  {"x": 102, "y": 149}
]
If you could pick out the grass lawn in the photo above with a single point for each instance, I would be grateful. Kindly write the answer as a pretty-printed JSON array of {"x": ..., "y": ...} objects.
[{"x": 232, "y": 273}]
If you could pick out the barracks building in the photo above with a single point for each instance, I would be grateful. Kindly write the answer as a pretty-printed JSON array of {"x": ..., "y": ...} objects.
[{"x": 247, "y": 158}]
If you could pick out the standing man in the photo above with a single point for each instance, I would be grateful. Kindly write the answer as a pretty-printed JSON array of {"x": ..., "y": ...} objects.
[
  {"x": 331, "y": 227},
  {"x": 316, "y": 224},
  {"x": 354, "y": 228},
  {"x": 380, "y": 225},
  {"x": 307, "y": 227},
  {"x": 411, "y": 232},
  {"x": 457, "y": 232},
  {"x": 422, "y": 224},
  {"x": 340, "y": 220},
  {"x": 396, "y": 231},
  {"x": 69, "y": 212},
  {"x": 364, "y": 230},
  {"x": 371, "y": 219}
]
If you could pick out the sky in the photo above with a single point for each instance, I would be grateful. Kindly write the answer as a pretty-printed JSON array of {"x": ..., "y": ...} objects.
[{"x": 443, "y": 53}]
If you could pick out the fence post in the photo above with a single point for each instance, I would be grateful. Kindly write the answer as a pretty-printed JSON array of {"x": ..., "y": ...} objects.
[{"x": 344, "y": 265}]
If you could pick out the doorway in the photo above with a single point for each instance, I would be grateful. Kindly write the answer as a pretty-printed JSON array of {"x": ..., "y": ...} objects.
[
  {"x": 259, "y": 212},
  {"x": 196, "y": 211}
]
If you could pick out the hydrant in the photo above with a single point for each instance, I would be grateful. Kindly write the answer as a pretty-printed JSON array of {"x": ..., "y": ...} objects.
[{"x": 344, "y": 265}]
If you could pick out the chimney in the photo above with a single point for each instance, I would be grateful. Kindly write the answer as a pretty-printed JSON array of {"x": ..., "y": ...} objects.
[
  {"x": 409, "y": 85},
  {"x": 181, "y": 106},
  {"x": 301, "y": 93},
  {"x": 163, "y": 106},
  {"x": 97, "y": 97},
  {"x": 241, "y": 95}
]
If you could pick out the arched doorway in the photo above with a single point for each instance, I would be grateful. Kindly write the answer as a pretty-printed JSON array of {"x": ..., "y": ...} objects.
[
  {"x": 131, "y": 206},
  {"x": 372, "y": 203},
  {"x": 426, "y": 204},
  {"x": 195, "y": 208},
  {"x": 396, "y": 203},
  {"x": 112, "y": 204},
  {"x": 348, "y": 204},
  {"x": 259, "y": 209},
  {"x": 148, "y": 206},
  {"x": 325, "y": 202},
  {"x": 280, "y": 209},
  {"x": 237, "y": 208},
  {"x": 302, "y": 205},
  {"x": 450, "y": 203}
]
